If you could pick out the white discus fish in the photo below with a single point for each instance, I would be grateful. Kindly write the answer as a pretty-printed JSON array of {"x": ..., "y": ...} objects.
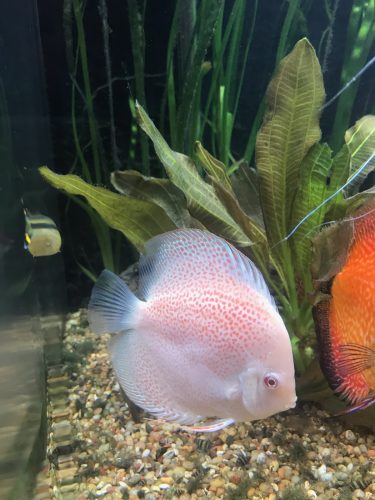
[{"x": 205, "y": 341}]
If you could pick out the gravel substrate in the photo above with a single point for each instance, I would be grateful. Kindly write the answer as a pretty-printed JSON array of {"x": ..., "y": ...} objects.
[{"x": 96, "y": 450}]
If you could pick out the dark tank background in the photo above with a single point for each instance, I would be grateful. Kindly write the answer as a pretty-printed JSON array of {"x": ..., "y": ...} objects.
[{"x": 312, "y": 22}]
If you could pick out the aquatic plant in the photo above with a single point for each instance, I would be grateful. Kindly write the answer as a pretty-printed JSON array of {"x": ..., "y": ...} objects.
[
  {"x": 359, "y": 41},
  {"x": 89, "y": 151},
  {"x": 208, "y": 53},
  {"x": 262, "y": 211}
]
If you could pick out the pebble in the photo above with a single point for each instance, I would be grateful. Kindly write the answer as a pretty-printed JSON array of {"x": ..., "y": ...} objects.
[
  {"x": 284, "y": 472},
  {"x": 350, "y": 436},
  {"x": 261, "y": 458},
  {"x": 358, "y": 494},
  {"x": 216, "y": 483},
  {"x": 151, "y": 460},
  {"x": 341, "y": 476},
  {"x": 133, "y": 480}
]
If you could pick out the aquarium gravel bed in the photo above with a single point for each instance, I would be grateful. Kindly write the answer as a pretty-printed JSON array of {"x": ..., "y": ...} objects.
[{"x": 95, "y": 449}]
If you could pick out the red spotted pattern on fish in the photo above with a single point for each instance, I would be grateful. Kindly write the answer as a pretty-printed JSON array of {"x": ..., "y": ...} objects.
[{"x": 205, "y": 341}]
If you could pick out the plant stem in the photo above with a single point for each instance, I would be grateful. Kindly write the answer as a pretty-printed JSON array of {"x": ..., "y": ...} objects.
[
  {"x": 108, "y": 67},
  {"x": 136, "y": 22},
  {"x": 288, "y": 20},
  {"x": 81, "y": 41}
]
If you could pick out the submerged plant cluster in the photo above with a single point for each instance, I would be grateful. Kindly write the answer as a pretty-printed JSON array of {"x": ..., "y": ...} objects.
[
  {"x": 273, "y": 212},
  {"x": 256, "y": 209},
  {"x": 207, "y": 57}
]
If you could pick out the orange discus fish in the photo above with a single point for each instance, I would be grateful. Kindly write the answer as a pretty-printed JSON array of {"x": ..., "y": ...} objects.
[{"x": 346, "y": 322}]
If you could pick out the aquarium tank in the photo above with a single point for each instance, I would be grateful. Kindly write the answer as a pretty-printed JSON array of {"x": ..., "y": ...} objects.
[{"x": 187, "y": 249}]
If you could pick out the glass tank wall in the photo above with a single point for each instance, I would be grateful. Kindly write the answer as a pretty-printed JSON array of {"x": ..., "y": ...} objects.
[{"x": 31, "y": 290}]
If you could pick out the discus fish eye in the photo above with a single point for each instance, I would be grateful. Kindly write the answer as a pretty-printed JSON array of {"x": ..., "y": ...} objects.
[{"x": 271, "y": 381}]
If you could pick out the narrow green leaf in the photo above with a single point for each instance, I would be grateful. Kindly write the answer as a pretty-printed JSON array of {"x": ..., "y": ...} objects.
[
  {"x": 360, "y": 140},
  {"x": 138, "y": 220},
  {"x": 138, "y": 45},
  {"x": 160, "y": 191},
  {"x": 212, "y": 166},
  {"x": 290, "y": 127},
  {"x": 249, "y": 226},
  {"x": 202, "y": 201},
  {"x": 359, "y": 43},
  {"x": 212, "y": 10}
]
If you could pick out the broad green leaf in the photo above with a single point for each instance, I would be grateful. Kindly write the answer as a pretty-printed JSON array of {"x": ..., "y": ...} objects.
[
  {"x": 311, "y": 192},
  {"x": 160, "y": 191},
  {"x": 212, "y": 166},
  {"x": 290, "y": 127},
  {"x": 245, "y": 185},
  {"x": 202, "y": 201},
  {"x": 138, "y": 220},
  {"x": 360, "y": 140},
  {"x": 338, "y": 176}
]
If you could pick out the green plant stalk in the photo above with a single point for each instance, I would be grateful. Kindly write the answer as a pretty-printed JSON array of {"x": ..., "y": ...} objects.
[
  {"x": 138, "y": 48},
  {"x": 282, "y": 47},
  {"x": 108, "y": 69},
  {"x": 187, "y": 23},
  {"x": 171, "y": 87},
  {"x": 213, "y": 9},
  {"x": 102, "y": 234},
  {"x": 249, "y": 37},
  {"x": 292, "y": 314},
  {"x": 361, "y": 36},
  {"x": 228, "y": 97},
  {"x": 219, "y": 44},
  {"x": 225, "y": 88},
  {"x": 250, "y": 146},
  {"x": 81, "y": 41},
  {"x": 85, "y": 169}
]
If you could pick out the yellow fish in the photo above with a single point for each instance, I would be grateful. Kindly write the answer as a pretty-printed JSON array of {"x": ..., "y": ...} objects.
[{"x": 42, "y": 238}]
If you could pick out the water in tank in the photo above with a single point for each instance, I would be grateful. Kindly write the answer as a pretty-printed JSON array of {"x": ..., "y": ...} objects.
[{"x": 187, "y": 247}]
